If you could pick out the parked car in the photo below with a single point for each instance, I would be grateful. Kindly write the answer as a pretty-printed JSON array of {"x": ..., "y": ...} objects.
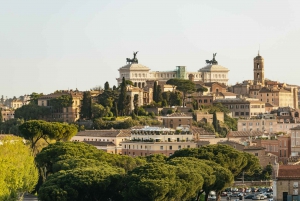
[
  {"x": 234, "y": 195},
  {"x": 248, "y": 190},
  {"x": 271, "y": 199},
  {"x": 212, "y": 198},
  {"x": 249, "y": 196},
  {"x": 258, "y": 197},
  {"x": 224, "y": 193},
  {"x": 229, "y": 193}
]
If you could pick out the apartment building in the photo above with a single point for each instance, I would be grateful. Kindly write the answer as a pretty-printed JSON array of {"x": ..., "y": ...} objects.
[
  {"x": 62, "y": 114},
  {"x": 243, "y": 107},
  {"x": 156, "y": 140}
]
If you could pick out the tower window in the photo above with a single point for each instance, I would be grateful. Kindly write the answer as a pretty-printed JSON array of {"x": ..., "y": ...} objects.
[
  {"x": 257, "y": 75},
  {"x": 257, "y": 65}
]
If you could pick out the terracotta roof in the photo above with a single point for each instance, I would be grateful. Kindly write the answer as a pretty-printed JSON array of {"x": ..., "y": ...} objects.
[
  {"x": 270, "y": 105},
  {"x": 177, "y": 115},
  {"x": 209, "y": 84},
  {"x": 289, "y": 171},
  {"x": 245, "y": 133},
  {"x": 197, "y": 130},
  {"x": 105, "y": 133},
  {"x": 254, "y": 148},
  {"x": 101, "y": 144},
  {"x": 227, "y": 94}
]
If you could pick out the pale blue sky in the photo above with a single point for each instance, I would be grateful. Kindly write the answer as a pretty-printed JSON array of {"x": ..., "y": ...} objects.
[{"x": 57, "y": 44}]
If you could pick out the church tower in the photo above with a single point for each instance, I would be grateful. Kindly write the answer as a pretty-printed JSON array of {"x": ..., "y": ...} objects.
[{"x": 258, "y": 70}]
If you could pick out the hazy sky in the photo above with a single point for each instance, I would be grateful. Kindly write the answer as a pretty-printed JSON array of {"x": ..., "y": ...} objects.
[{"x": 60, "y": 44}]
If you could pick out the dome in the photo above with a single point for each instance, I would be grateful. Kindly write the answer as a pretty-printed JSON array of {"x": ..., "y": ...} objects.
[
  {"x": 258, "y": 57},
  {"x": 213, "y": 68}
]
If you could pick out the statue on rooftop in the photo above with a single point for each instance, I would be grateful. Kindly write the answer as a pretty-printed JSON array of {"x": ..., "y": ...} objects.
[
  {"x": 134, "y": 60},
  {"x": 213, "y": 61}
]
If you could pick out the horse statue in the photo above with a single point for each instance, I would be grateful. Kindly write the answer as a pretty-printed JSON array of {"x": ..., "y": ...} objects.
[
  {"x": 208, "y": 62},
  {"x": 134, "y": 60},
  {"x": 128, "y": 60}
]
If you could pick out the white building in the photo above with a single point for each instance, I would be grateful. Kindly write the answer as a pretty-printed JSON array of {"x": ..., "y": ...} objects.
[{"x": 139, "y": 74}]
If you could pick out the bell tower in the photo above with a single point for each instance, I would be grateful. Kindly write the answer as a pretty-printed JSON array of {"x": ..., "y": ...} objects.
[{"x": 258, "y": 70}]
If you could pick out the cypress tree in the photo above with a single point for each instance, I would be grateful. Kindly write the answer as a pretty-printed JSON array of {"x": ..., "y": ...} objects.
[
  {"x": 155, "y": 91},
  {"x": 122, "y": 98},
  {"x": 86, "y": 107},
  {"x": 106, "y": 86}
]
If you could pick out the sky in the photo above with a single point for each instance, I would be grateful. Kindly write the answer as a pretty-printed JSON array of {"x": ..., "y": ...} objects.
[{"x": 59, "y": 45}]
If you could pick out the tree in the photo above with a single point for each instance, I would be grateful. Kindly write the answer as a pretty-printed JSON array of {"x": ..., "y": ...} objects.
[
  {"x": 224, "y": 178},
  {"x": 155, "y": 91},
  {"x": 11, "y": 126},
  {"x": 153, "y": 181},
  {"x": 197, "y": 166},
  {"x": 35, "y": 130},
  {"x": 61, "y": 101},
  {"x": 225, "y": 155},
  {"x": 159, "y": 94},
  {"x": 185, "y": 86},
  {"x": 128, "y": 82},
  {"x": 106, "y": 86},
  {"x": 136, "y": 103},
  {"x": 99, "y": 111},
  {"x": 34, "y": 98},
  {"x": 86, "y": 107},
  {"x": 1, "y": 118},
  {"x": 122, "y": 98},
  {"x": 93, "y": 183},
  {"x": 18, "y": 171},
  {"x": 31, "y": 112}
]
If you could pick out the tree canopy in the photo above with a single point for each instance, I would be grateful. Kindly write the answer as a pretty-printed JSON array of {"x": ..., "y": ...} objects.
[
  {"x": 18, "y": 171},
  {"x": 225, "y": 155},
  {"x": 34, "y": 130},
  {"x": 185, "y": 86}
]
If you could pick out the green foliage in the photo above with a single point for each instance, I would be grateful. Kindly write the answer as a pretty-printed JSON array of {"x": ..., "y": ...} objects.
[
  {"x": 225, "y": 155},
  {"x": 11, "y": 126},
  {"x": 122, "y": 98},
  {"x": 31, "y": 112},
  {"x": 18, "y": 171},
  {"x": 1, "y": 117},
  {"x": 99, "y": 110},
  {"x": 206, "y": 126},
  {"x": 106, "y": 86},
  {"x": 136, "y": 103},
  {"x": 61, "y": 101},
  {"x": 35, "y": 130},
  {"x": 86, "y": 106},
  {"x": 153, "y": 181},
  {"x": 80, "y": 184},
  {"x": 34, "y": 98}
]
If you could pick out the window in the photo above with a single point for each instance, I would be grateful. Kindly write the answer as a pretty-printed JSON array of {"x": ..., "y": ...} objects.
[
  {"x": 242, "y": 113},
  {"x": 237, "y": 106},
  {"x": 236, "y": 113},
  {"x": 170, "y": 147},
  {"x": 161, "y": 147},
  {"x": 256, "y": 154},
  {"x": 179, "y": 147}
]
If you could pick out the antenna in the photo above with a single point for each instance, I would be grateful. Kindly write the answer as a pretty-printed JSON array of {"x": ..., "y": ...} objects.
[{"x": 258, "y": 49}]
